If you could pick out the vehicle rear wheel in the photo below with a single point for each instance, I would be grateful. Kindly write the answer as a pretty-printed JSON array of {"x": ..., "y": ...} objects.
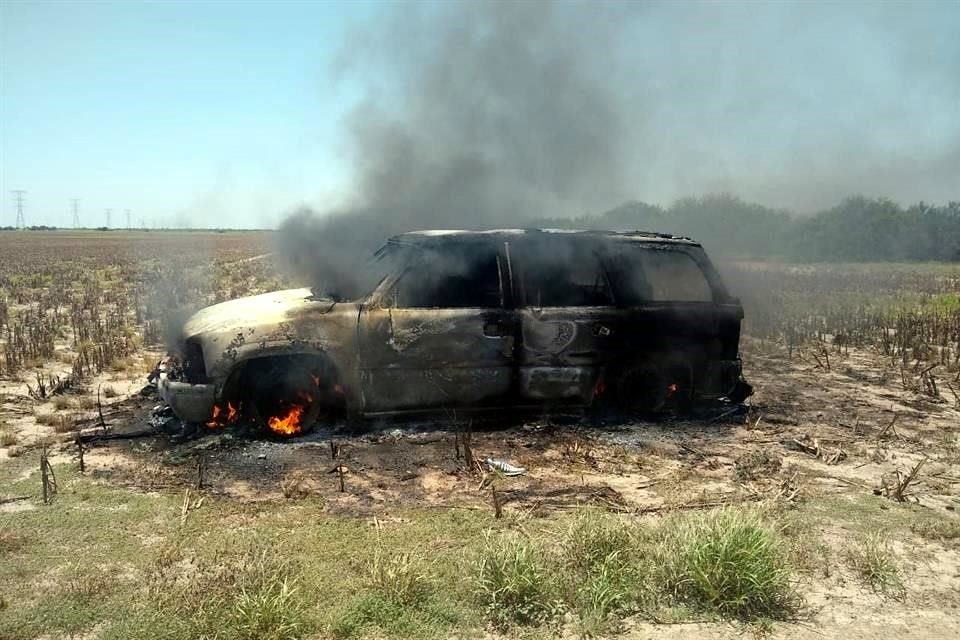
[{"x": 654, "y": 389}]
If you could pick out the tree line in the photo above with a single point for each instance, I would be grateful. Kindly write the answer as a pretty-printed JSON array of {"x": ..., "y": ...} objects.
[{"x": 859, "y": 229}]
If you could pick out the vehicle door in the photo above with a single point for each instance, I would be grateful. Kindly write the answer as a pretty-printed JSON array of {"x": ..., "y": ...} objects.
[
  {"x": 437, "y": 334},
  {"x": 566, "y": 315}
]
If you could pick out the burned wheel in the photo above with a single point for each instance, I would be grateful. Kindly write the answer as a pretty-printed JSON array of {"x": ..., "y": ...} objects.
[
  {"x": 640, "y": 390},
  {"x": 657, "y": 389},
  {"x": 287, "y": 395}
]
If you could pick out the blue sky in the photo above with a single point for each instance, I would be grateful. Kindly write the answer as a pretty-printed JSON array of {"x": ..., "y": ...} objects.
[
  {"x": 171, "y": 108},
  {"x": 233, "y": 113}
]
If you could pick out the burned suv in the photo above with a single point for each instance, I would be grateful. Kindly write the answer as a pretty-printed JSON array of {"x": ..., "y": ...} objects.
[{"x": 468, "y": 320}]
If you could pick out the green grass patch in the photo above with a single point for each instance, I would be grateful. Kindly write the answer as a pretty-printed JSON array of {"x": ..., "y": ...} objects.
[
  {"x": 945, "y": 302},
  {"x": 372, "y": 611},
  {"x": 127, "y": 564},
  {"x": 729, "y": 561},
  {"x": 515, "y": 584},
  {"x": 603, "y": 569}
]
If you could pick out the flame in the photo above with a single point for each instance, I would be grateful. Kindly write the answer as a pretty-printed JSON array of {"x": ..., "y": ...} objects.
[
  {"x": 290, "y": 424},
  {"x": 672, "y": 390},
  {"x": 222, "y": 416}
]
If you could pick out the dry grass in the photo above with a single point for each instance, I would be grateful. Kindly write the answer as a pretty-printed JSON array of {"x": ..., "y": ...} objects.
[
  {"x": 65, "y": 423},
  {"x": 941, "y": 530},
  {"x": 62, "y": 403},
  {"x": 47, "y": 418},
  {"x": 11, "y": 541},
  {"x": 8, "y": 438},
  {"x": 873, "y": 560},
  {"x": 296, "y": 485},
  {"x": 757, "y": 463},
  {"x": 94, "y": 300}
]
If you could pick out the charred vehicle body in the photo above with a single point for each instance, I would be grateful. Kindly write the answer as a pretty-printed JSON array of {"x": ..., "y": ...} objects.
[{"x": 505, "y": 319}]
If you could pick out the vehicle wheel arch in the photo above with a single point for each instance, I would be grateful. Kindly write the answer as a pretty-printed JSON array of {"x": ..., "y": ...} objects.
[{"x": 249, "y": 378}]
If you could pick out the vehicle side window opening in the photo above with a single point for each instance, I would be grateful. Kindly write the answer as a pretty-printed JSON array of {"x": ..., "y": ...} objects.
[
  {"x": 437, "y": 280},
  {"x": 564, "y": 277},
  {"x": 654, "y": 274}
]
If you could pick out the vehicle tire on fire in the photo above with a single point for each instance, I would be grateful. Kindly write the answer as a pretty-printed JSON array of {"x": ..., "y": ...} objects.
[{"x": 287, "y": 396}]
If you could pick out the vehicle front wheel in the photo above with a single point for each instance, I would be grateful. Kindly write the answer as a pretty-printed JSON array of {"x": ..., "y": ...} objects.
[{"x": 288, "y": 396}]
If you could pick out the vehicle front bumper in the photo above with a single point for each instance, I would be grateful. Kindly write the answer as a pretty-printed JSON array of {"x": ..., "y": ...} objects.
[{"x": 190, "y": 402}]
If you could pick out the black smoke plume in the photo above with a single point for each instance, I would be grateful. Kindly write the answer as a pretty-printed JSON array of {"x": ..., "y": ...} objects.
[
  {"x": 497, "y": 112},
  {"x": 486, "y": 114}
]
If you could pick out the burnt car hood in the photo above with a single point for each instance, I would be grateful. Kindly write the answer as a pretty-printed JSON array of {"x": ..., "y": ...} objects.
[
  {"x": 276, "y": 323},
  {"x": 265, "y": 309}
]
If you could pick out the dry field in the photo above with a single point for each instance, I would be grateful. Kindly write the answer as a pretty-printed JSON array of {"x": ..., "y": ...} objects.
[{"x": 831, "y": 510}]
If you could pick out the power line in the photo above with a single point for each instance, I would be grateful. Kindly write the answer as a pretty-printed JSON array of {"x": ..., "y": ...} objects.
[
  {"x": 76, "y": 213},
  {"x": 18, "y": 194}
]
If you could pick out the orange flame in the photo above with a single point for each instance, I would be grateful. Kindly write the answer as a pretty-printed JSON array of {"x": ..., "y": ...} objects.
[
  {"x": 672, "y": 389},
  {"x": 288, "y": 425},
  {"x": 221, "y": 417}
]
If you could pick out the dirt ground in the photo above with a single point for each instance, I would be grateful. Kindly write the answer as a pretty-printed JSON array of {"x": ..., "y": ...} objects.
[{"x": 827, "y": 440}]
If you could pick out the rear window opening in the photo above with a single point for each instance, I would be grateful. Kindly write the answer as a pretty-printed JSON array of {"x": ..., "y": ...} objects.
[{"x": 623, "y": 276}]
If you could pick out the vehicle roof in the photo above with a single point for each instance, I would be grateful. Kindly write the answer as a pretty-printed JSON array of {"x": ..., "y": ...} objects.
[{"x": 439, "y": 236}]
